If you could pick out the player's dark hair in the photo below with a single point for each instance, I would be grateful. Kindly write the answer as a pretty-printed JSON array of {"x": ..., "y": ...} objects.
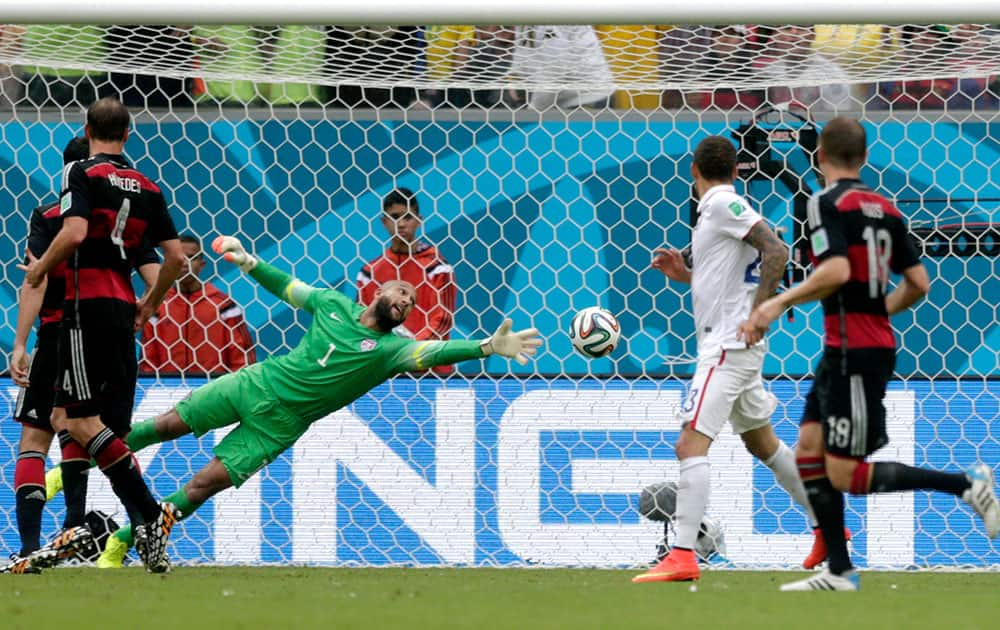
[
  {"x": 76, "y": 149},
  {"x": 401, "y": 197},
  {"x": 715, "y": 157},
  {"x": 190, "y": 238},
  {"x": 844, "y": 142},
  {"x": 108, "y": 119}
]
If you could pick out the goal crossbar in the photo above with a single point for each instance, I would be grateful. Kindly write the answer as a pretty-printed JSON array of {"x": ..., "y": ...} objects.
[{"x": 499, "y": 12}]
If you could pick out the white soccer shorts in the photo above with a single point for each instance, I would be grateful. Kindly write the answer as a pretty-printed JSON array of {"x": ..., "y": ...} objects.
[{"x": 728, "y": 387}]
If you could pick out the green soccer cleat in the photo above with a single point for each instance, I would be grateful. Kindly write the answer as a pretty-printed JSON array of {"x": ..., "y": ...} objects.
[
  {"x": 113, "y": 556},
  {"x": 53, "y": 483}
]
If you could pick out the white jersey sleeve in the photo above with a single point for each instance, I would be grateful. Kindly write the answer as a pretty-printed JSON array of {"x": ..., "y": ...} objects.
[{"x": 736, "y": 219}]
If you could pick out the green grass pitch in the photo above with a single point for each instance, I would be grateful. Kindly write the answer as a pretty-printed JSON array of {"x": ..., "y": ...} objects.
[{"x": 274, "y": 597}]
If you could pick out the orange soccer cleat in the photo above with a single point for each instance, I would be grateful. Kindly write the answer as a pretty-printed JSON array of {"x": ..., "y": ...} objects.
[
  {"x": 818, "y": 553},
  {"x": 680, "y": 565}
]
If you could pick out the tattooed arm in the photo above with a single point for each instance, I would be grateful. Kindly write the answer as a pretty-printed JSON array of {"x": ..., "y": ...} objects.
[{"x": 773, "y": 259}]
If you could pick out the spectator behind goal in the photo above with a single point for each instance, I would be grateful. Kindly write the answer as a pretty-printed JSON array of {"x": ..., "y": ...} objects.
[
  {"x": 371, "y": 53},
  {"x": 796, "y": 57},
  {"x": 724, "y": 52},
  {"x": 198, "y": 330},
  {"x": 949, "y": 50},
  {"x": 416, "y": 262},
  {"x": 560, "y": 55},
  {"x": 467, "y": 53}
]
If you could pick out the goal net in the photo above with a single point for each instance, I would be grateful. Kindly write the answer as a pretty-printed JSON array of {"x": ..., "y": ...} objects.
[{"x": 548, "y": 162}]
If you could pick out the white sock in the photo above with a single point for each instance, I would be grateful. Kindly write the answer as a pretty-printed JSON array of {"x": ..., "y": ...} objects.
[
  {"x": 692, "y": 498},
  {"x": 785, "y": 470}
]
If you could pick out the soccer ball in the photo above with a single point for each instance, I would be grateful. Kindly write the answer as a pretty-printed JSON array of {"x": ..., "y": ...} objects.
[
  {"x": 658, "y": 502},
  {"x": 711, "y": 542},
  {"x": 101, "y": 526},
  {"x": 594, "y": 332}
]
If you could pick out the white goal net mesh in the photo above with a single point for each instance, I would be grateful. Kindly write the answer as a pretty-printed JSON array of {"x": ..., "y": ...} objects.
[
  {"x": 526, "y": 57},
  {"x": 548, "y": 162}
]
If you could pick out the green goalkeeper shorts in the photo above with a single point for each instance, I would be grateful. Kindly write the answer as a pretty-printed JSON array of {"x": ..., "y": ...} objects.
[{"x": 265, "y": 428}]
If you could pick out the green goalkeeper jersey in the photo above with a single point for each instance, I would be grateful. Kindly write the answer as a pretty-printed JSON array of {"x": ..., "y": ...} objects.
[{"x": 339, "y": 359}]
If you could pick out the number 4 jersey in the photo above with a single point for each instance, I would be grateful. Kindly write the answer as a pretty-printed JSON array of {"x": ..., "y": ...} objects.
[
  {"x": 125, "y": 211},
  {"x": 849, "y": 219},
  {"x": 725, "y": 271}
]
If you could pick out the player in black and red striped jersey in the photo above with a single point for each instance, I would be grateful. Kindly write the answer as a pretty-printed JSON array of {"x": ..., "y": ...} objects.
[
  {"x": 36, "y": 375},
  {"x": 857, "y": 238},
  {"x": 109, "y": 211}
]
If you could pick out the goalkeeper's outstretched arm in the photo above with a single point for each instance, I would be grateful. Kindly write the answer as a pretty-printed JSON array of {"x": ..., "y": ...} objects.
[
  {"x": 520, "y": 346},
  {"x": 276, "y": 281}
]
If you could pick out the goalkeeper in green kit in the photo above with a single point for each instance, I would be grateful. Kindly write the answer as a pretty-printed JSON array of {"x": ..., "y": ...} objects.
[{"x": 347, "y": 350}]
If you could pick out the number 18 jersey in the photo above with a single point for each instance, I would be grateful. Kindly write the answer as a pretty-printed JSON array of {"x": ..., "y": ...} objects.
[
  {"x": 725, "y": 269},
  {"x": 851, "y": 220}
]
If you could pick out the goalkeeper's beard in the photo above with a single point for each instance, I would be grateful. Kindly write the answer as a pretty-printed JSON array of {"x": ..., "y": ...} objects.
[{"x": 384, "y": 318}]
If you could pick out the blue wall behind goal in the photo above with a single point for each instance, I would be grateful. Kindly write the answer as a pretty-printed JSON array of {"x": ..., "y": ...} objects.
[
  {"x": 515, "y": 471},
  {"x": 539, "y": 219}
]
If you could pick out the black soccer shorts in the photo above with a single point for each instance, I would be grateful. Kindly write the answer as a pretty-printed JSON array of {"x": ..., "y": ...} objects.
[
  {"x": 97, "y": 375},
  {"x": 848, "y": 405},
  {"x": 34, "y": 403}
]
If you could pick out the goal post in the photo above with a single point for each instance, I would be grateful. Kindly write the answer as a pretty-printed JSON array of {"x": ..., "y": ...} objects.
[{"x": 548, "y": 162}]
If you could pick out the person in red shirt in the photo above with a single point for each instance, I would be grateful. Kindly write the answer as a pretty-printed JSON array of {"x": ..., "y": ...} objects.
[
  {"x": 198, "y": 329},
  {"x": 416, "y": 262}
]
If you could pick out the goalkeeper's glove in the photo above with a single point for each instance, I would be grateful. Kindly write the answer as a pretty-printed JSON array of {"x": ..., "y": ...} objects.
[
  {"x": 232, "y": 250},
  {"x": 513, "y": 345}
]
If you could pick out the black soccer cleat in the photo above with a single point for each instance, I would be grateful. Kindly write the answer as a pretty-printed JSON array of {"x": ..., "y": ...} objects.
[
  {"x": 141, "y": 542},
  {"x": 67, "y": 544},
  {"x": 19, "y": 566},
  {"x": 156, "y": 535}
]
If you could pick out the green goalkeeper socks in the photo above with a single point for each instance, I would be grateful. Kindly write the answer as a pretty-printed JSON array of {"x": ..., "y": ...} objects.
[
  {"x": 178, "y": 498},
  {"x": 124, "y": 534},
  {"x": 183, "y": 503},
  {"x": 142, "y": 435}
]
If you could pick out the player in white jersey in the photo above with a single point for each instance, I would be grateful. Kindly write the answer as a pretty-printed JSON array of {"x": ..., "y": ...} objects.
[{"x": 736, "y": 262}]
